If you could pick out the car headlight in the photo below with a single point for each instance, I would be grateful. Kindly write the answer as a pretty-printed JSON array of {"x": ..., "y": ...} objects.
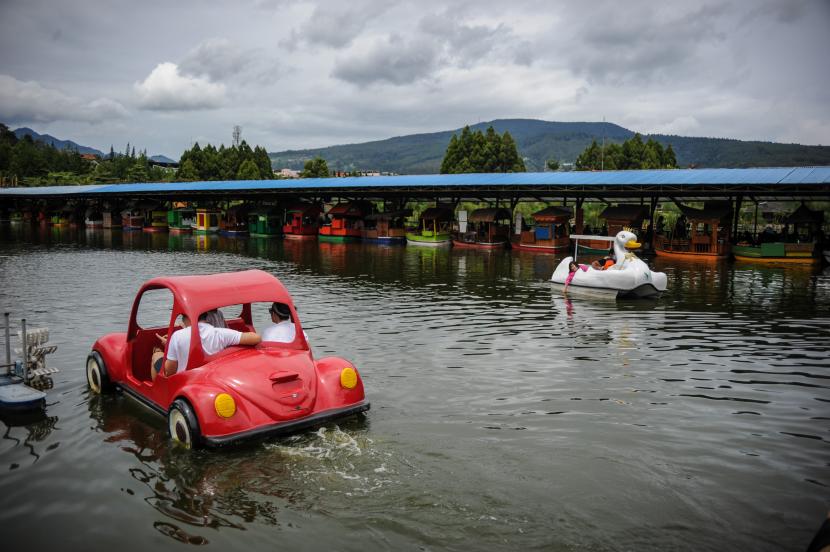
[
  {"x": 225, "y": 405},
  {"x": 348, "y": 377}
]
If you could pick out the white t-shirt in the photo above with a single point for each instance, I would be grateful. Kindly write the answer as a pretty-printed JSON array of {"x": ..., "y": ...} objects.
[
  {"x": 213, "y": 341},
  {"x": 283, "y": 332}
]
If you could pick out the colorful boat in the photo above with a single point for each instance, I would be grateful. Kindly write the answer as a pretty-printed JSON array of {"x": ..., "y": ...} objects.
[
  {"x": 616, "y": 218},
  {"x": 433, "y": 228},
  {"x": 132, "y": 219},
  {"x": 346, "y": 222},
  {"x": 707, "y": 235},
  {"x": 94, "y": 219},
  {"x": 60, "y": 218},
  {"x": 265, "y": 223},
  {"x": 777, "y": 252},
  {"x": 181, "y": 220},
  {"x": 235, "y": 221},
  {"x": 798, "y": 244},
  {"x": 156, "y": 221},
  {"x": 207, "y": 221},
  {"x": 302, "y": 221},
  {"x": 111, "y": 219},
  {"x": 387, "y": 227},
  {"x": 549, "y": 233},
  {"x": 486, "y": 229}
]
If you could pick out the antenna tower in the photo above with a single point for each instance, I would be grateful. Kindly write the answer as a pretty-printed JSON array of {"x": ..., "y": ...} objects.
[{"x": 237, "y": 133}]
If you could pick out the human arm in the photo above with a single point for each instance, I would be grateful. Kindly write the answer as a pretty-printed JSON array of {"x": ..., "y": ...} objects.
[
  {"x": 249, "y": 338},
  {"x": 170, "y": 367}
]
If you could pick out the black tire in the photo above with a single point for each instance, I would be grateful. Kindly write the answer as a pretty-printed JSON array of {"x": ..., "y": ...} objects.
[
  {"x": 183, "y": 426},
  {"x": 96, "y": 374}
]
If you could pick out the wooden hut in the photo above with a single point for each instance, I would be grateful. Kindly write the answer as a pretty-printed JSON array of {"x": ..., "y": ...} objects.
[
  {"x": 487, "y": 229},
  {"x": 549, "y": 233}
]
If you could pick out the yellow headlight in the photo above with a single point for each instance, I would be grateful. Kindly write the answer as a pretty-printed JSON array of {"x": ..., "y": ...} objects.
[
  {"x": 225, "y": 405},
  {"x": 348, "y": 377}
]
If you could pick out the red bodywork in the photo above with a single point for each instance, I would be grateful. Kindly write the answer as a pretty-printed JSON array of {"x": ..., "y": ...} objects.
[{"x": 278, "y": 388}]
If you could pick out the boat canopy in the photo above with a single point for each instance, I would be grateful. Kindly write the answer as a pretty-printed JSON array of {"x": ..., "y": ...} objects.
[
  {"x": 491, "y": 214},
  {"x": 353, "y": 209},
  {"x": 304, "y": 208},
  {"x": 804, "y": 215},
  {"x": 437, "y": 213},
  {"x": 712, "y": 211},
  {"x": 553, "y": 214},
  {"x": 390, "y": 215},
  {"x": 597, "y": 238},
  {"x": 625, "y": 214}
]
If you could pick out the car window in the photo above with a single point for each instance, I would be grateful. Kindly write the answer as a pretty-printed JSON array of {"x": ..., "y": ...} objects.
[{"x": 154, "y": 308}]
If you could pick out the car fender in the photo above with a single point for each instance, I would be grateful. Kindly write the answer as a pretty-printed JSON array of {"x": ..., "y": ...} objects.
[
  {"x": 330, "y": 392},
  {"x": 202, "y": 396},
  {"x": 113, "y": 350}
]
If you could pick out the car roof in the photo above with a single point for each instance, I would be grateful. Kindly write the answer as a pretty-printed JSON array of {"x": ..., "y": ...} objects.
[{"x": 200, "y": 293}]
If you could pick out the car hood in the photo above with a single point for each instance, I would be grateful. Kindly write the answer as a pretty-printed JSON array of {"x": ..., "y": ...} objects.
[{"x": 280, "y": 383}]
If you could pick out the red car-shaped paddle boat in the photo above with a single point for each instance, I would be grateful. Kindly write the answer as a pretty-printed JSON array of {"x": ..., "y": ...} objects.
[{"x": 239, "y": 393}]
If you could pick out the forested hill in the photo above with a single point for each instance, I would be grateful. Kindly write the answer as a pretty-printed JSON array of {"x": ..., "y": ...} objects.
[
  {"x": 55, "y": 142},
  {"x": 540, "y": 140}
]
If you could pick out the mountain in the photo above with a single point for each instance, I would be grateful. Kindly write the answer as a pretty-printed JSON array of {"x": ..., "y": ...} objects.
[
  {"x": 540, "y": 140},
  {"x": 162, "y": 159},
  {"x": 57, "y": 143}
]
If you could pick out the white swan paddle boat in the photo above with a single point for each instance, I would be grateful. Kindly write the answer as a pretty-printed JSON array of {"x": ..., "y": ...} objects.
[{"x": 628, "y": 277}]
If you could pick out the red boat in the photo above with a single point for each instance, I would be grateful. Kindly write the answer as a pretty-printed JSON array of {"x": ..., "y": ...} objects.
[
  {"x": 239, "y": 393},
  {"x": 302, "y": 221},
  {"x": 346, "y": 221}
]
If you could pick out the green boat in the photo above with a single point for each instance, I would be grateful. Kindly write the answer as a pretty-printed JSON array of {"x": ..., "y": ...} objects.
[
  {"x": 434, "y": 228},
  {"x": 264, "y": 224},
  {"x": 181, "y": 220},
  {"x": 778, "y": 252}
]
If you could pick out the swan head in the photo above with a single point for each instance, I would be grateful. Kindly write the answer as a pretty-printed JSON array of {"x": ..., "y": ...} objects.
[{"x": 627, "y": 240}]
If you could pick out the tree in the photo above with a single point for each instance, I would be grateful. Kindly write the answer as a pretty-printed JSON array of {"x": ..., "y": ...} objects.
[
  {"x": 475, "y": 152},
  {"x": 315, "y": 168},
  {"x": 248, "y": 171},
  {"x": 630, "y": 155},
  {"x": 187, "y": 171},
  {"x": 552, "y": 164}
]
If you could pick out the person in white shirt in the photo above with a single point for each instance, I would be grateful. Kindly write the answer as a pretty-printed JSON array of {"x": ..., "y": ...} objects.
[
  {"x": 213, "y": 340},
  {"x": 282, "y": 330}
]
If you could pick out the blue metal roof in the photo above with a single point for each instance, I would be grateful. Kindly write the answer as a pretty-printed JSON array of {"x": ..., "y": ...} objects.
[{"x": 673, "y": 177}]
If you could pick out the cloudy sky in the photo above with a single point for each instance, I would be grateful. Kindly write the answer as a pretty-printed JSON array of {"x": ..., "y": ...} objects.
[{"x": 296, "y": 74}]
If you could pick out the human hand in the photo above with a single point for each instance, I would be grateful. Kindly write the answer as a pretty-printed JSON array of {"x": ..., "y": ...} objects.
[{"x": 162, "y": 338}]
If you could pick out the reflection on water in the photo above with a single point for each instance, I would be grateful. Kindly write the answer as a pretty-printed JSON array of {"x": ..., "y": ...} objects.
[{"x": 506, "y": 415}]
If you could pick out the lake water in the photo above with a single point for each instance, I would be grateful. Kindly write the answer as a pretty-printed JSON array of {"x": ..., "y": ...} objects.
[{"x": 504, "y": 416}]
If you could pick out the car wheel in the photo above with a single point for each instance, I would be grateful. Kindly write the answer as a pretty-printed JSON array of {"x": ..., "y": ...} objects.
[
  {"x": 183, "y": 425},
  {"x": 96, "y": 374}
]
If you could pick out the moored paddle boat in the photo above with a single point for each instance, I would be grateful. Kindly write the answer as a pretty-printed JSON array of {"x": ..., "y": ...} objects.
[
  {"x": 488, "y": 229},
  {"x": 346, "y": 222},
  {"x": 302, "y": 221},
  {"x": 433, "y": 228},
  {"x": 629, "y": 277},
  {"x": 549, "y": 233},
  {"x": 387, "y": 227}
]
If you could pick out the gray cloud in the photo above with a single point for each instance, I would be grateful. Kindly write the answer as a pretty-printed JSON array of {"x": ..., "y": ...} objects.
[
  {"x": 337, "y": 24},
  {"x": 29, "y": 101},
  {"x": 394, "y": 60}
]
